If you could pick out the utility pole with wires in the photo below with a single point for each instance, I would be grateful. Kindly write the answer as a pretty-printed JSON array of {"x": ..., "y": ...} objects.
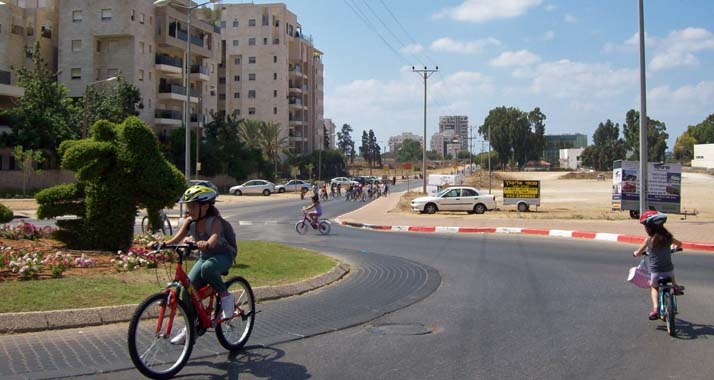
[{"x": 425, "y": 73}]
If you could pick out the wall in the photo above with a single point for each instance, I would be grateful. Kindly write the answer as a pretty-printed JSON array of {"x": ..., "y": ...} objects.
[
  {"x": 12, "y": 179},
  {"x": 703, "y": 156}
]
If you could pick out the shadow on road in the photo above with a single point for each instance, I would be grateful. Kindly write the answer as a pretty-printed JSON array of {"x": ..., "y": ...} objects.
[
  {"x": 261, "y": 362},
  {"x": 689, "y": 331}
]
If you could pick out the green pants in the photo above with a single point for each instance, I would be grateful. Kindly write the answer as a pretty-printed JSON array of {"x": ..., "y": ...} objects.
[{"x": 209, "y": 271}]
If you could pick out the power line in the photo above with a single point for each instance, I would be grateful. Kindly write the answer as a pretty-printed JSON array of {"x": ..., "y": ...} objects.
[{"x": 371, "y": 26}]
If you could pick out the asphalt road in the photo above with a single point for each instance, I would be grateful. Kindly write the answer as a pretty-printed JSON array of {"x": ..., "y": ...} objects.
[{"x": 509, "y": 307}]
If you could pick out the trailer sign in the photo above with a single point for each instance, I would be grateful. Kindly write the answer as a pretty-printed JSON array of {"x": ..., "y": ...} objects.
[{"x": 521, "y": 189}]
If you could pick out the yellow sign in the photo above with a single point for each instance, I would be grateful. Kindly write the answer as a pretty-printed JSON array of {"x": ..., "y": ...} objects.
[{"x": 521, "y": 189}]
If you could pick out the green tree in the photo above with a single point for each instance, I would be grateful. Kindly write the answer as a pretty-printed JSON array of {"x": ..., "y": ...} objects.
[
  {"x": 656, "y": 137},
  {"x": 271, "y": 143},
  {"x": 113, "y": 101},
  {"x": 345, "y": 143},
  {"x": 370, "y": 150},
  {"x": 537, "y": 121},
  {"x": 702, "y": 133},
  {"x": 250, "y": 133},
  {"x": 510, "y": 133},
  {"x": 225, "y": 146},
  {"x": 45, "y": 116},
  {"x": 607, "y": 147},
  {"x": 26, "y": 160},
  {"x": 409, "y": 151}
]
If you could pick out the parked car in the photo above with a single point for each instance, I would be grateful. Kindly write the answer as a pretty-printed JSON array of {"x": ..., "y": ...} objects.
[
  {"x": 457, "y": 198},
  {"x": 344, "y": 181},
  {"x": 201, "y": 182},
  {"x": 256, "y": 186},
  {"x": 292, "y": 185}
]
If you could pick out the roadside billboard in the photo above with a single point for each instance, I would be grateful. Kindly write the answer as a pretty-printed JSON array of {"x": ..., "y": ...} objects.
[
  {"x": 437, "y": 182},
  {"x": 664, "y": 185},
  {"x": 521, "y": 192}
]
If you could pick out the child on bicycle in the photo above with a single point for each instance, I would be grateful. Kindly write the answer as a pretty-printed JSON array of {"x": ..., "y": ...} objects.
[
  {"x": 314, "y": 215},
  {"x": 216, "y": 254},
  {"x": 659, "y": 249}
]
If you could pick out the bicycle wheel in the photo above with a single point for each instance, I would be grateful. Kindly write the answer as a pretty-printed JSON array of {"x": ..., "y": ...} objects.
[
  {"x": 144, "y": 224},
  {"x": 324, "y": 227},
  {"x": 301, "y": 227},
  {"x": 234, "y": 333},
  {"x": 150, "y": 345},
  {"x": 669, "y": 317},
  {"x": 166, "y": 227}
]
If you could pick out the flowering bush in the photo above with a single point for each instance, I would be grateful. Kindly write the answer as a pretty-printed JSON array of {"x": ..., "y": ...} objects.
[
  {"x": 85, "y": 262},
  {"x": 27, "y": 263},
  {"x": 138, "y": 257},
  {"x": 58, "y": 263},
  {"x": 24, "y": 230}
]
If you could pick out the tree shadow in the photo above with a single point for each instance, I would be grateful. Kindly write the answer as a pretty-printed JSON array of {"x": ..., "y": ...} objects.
[
  {"x": 689, "y": 331},
  {"x": 261, "y": 362}
]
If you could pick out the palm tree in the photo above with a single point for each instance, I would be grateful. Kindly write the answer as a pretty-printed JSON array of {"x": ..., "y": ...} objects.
[
  {"x": 249, "y": 131},
  {"x": 271, "y": 143}
]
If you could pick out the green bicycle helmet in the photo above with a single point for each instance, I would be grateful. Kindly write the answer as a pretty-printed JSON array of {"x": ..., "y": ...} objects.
[{"x": 199, "y": 193}]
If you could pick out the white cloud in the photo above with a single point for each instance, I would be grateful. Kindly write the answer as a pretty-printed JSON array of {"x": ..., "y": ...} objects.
[
  {"x": 515, "y": 58},
  {"x": 547, "y": 36},
  {"x": 462, "y": 47},
  {"x": 570, "y": 19},
  {"x": 411, "y": 49},
  {"x": 568, "y": 79},
  {"x": 550, "y": 7},
  {"x": 678, "y": 48},
  {"x": 486, "y": 10},
  {"x": 702, "y": 94}
]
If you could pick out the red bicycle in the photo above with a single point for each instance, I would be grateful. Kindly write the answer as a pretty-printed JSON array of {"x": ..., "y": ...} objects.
[{"x": 154, "y": 344}]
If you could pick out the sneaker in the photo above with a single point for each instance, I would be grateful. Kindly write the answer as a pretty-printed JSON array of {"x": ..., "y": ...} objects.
[
  {"x": 653, "y": 315},
  {"x": 227, "y": 304},
  {"x": 180, "y": 338}
]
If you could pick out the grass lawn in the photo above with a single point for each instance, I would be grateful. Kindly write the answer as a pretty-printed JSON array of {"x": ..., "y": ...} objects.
[{"x": 261, "y": 263}]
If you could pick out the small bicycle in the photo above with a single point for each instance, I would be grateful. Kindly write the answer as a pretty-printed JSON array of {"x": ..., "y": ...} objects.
[
  {"x": 322, "y": 226},
  {"x": 667, "y": 306},
  {"x": 162, "y": 316},
  {"x": 166, "y": 227}
]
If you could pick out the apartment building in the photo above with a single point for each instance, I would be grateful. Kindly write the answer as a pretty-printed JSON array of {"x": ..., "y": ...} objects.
[
  {"x": 147, "y": 46},
  {"x": 460, "y": 126},
  {"x": 395, "y": 142},
  {"x": 446, "y": 143},
  {"x": 330, "y": 130},
  {"x": 271, "y": 72},
  {"x": 22, "y": 24}
]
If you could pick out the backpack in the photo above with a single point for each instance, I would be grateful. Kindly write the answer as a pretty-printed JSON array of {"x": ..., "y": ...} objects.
[{"x": 229, "y": 234}]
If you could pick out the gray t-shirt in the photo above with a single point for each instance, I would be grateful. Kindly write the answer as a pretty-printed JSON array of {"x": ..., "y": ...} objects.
[
  {"x": 221, "y": 248},
  {"x": 660, "y": 259}
]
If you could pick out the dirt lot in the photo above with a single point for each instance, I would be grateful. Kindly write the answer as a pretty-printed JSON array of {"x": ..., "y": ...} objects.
[{"x": 563, "y": 198}]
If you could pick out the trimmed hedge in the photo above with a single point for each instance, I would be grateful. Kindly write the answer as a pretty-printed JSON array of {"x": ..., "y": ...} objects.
[{"x": 6, "y": 214}]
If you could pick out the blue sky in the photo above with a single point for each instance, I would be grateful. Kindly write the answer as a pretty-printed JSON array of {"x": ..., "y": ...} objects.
[{"x": 576, "y": 60}]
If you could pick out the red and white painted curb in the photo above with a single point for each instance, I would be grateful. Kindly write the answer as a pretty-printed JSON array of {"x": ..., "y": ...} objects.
[{"x": 526, "y": 231}]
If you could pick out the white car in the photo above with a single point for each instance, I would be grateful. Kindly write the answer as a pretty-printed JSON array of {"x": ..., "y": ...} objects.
[
  {"x": 344, "y": 181},
  {"x": 292, "y": 185},
  {"x": 457, "y": 198},
  {"x": 256, "y": 186}
]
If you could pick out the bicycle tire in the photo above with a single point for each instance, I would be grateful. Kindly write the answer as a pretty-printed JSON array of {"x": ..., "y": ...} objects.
[
  {"x": 324, "y": 227},
  {"x": 234, "y": 333},
  {"x": 141, "y": 335},
  {"x": 669, "y": 317},
  {"x": 144, "y": 224},
  {"x": 166, "y": 227},
  {"x": 301, "y": 227}
]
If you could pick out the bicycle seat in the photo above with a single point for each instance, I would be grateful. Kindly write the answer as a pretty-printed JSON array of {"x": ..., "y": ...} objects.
[{"x": 664, "y": 280}]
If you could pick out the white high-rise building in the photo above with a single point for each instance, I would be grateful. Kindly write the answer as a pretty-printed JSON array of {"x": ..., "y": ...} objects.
[
  {"x": 395, "y": 142},
  {"x": 460, "y": 126}
]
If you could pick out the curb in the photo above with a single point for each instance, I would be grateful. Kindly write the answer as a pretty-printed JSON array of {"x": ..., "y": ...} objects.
[
  {"x": 619, "y": 238},
  {"x": 13, "y": 323}
]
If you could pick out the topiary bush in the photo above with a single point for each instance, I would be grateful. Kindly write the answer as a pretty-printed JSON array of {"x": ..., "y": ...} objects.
[
  {"x": 119, "y": 170},
  {"x": 6, "y": 214}
]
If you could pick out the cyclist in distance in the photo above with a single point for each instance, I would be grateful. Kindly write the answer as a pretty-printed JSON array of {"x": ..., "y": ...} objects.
[
  {"x": 659, "y": 249},
  {"x": 216, "y": 254},
  {"x": 314, "y": 215}
]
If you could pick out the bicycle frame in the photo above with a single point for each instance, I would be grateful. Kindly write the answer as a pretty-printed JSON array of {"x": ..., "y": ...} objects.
[
  {"x": 669, "y": 289},
  {"x": 308, "y": 220}
]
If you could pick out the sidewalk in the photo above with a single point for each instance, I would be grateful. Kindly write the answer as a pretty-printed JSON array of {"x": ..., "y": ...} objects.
[{"x": 381, "y": 214}]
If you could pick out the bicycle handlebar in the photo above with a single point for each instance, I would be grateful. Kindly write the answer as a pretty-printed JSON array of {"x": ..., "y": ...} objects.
[{"x": 187, "y": 245}]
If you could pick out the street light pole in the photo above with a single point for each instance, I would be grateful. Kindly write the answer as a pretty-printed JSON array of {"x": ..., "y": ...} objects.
[
  {"x": 489, "y": 158},
  {"x": 426, "y": 73},
  {"x": 86, "y": 103},
  {"x": 643, "y": 115}
]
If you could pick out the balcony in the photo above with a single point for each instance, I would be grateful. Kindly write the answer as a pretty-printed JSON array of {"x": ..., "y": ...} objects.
[
  {"x": 199, "y": 72},
  {"x": 167, "y": 117},
  {"x": 6, "y": 88},
  {"x": 176, "y": 92},
  {"x": 17, "y": 29},
  {"x": 295, "y": 104},
  {"x": 198, "y": 118},
  {"x": 5, "y": 77},
  {"x": 183, "y": 35},
  {"x": 293, "y": 87},
  {"x": 172, "y": 66}
]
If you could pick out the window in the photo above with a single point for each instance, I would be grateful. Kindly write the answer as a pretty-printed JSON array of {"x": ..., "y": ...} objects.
[
  {"x": 99, "y": 46},
  {"x": 265, "y": 40},
  {"x": 76, "y": 16},
  {"x": 149, "y": 79},
  {"x": 266, "y": 20},
  {"x": 275, "y": 76},
  {"x": 222, "y": 80},
  {"x": 251, "y": 59},
  {"x": 275, "y": 59},
  {"x": 141, "y": 74},
  {"x": 276, "y": 41},
  {"x": 223, "y": 24},
  {"x": 141, "y": 18},
  {"x": 277, "y": 23},
  {"x": 236, "y": 61},
  {"x": 251, "y": 94},
  {"x": 133, "y": 12},
  {"x": 251, "y": 41},
  {"x": 275, "y": 110},
  {"x": 235, "y": 23},
  {"x": 275, "y": 93},
  {"x": 221, "y": 96},
  {"x": 251, "y": 76},
  {"x": 236, "y": 78},
  {"x": 251, "y": 22},
  {"x": 235, "y": 42},
  {"x": 76, "y": 73},
  {"x": 251, "y": 111},
  {"x": 236, "y": 95},
  {"x": 141, "y": 46},
  {"x": 150, "y": 48},
  {"x": 151, "y": 22},
  {"x": 76, "y": 45},
  {"x": 106, "y": 14},
  {"x": 236, "y": 112},
  {"x": 213, "y": 68}
]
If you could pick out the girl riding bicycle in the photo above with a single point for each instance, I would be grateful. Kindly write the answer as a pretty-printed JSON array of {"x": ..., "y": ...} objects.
[
  {"x": 314, "y": 215},
  {"x": 659, "y": 249},
  {"x": 216, "y": 254}
]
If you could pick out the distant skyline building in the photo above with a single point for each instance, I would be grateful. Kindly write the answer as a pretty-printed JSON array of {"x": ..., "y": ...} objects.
[
  {"x": 395, "y": 142},
  {"x": 446, "y": 143},
  {"x": 460, "y": 125},
  {"x": 330, "y": 130},
  {"x": 554, "y": 143}
]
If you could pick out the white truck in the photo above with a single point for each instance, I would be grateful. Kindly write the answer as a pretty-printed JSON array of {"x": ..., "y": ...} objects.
[{"x": 438, "y": 182}]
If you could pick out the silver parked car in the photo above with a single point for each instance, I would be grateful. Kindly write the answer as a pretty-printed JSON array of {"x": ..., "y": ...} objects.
[
  {"x": 344, "y": 181},
  {"x": 292, "y": 185},
  {"x": 256, "y": 186},
  {"x": 457, "y": 198}
]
